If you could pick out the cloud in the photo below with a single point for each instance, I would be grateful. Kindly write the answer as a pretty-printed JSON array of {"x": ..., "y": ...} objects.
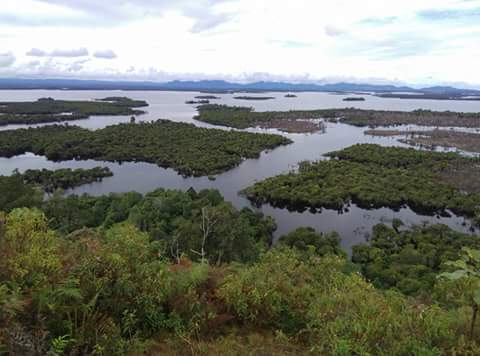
[
  {"x": 450, "y": 14},
  {"x": 379, "y": 21},
  {"x": 115, "y": 13},
  {"x": 291, "y": 44},
  {"x": 333, "y": 31},
  {"x": 35, "y": 52},
  {"x": 6, "y": 59},
  {"x": 105, "y": 54},
  {"x": 68, "y": 53},
  {"x": 209, "y": 22}
]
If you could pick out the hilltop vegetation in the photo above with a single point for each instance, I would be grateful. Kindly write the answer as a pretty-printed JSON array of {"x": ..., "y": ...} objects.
[
  {"x": 410, "y": 260},
  {"x": 117, "y": 290},
  {"x": 50, "y": 110},
  {"x": 244, "y": 117},
  {"x": 372, "y": 176},
  {"x": 188, "y": 149}
]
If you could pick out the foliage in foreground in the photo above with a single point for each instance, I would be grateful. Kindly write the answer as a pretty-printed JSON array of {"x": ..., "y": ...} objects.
[
  {"x": 188, "y": 149},
  {"x": 110, "y": 292},
  {"x": 410, "y": 260}
]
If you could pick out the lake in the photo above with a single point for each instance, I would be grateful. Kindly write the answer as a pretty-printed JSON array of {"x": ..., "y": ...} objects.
[{"x": 353, "y": 226}]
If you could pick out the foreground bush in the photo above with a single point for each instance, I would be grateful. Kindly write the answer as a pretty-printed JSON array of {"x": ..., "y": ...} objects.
[{"x": 116, "y": 291}]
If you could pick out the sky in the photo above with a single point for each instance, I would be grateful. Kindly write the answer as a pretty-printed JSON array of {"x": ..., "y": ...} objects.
[{"x": 377, "y": 41}]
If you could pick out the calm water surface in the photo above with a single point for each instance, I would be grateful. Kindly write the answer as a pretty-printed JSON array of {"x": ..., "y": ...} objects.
[{"x": 354, "y": 225}]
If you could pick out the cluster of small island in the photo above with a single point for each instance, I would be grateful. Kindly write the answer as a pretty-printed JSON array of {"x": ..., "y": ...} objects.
[{"x": 108, "y": 274}]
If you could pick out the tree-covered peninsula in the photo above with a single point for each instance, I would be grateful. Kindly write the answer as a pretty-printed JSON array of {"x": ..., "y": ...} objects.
[
  {"x": 291, "y": 121},
  {"x": 372, "y": 176},
  {"x": 46, "y": 110},
  {"x": 243, "y": 117},
  {"x": 190, "y": 150}
]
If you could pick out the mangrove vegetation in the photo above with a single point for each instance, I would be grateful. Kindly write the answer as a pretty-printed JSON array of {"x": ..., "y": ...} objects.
[
  {"x": 46, "y": 110},
  {"x": 243, "y": 117},
  {"x": 190, "y": 150},
  {"x": 372, "y": 176}
]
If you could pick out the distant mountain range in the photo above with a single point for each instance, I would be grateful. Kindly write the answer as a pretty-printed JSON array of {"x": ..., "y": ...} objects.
[{"x": 222, "y": 86}]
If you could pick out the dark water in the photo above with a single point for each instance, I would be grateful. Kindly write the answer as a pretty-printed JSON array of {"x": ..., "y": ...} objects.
[{"x": 353, "y": 225}]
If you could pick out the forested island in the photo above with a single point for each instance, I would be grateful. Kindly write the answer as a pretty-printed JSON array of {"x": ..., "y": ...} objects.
[
  {"x": 353, "y": 98},
  {"x": 190, "y": 150},
  {"x": 166, "y": 273},
  {"x": 301, "y": 120},
  {"x": 430, "y": 96},
  {"x": 373, "y": 118},
  {"x": 46, "y": 110},
  {"x": 65, "y": 178},
  {"x": 243, "y": 117},
  {"x": 246, "y": 97},
  {"x": 197, "y": 102},
  {"x": 372, "y": 176},
  {"x": 207, "y": 97}
]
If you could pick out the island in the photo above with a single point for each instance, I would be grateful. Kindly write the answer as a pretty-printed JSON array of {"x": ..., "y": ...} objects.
[
  {"x": 430, "y": 96},
  {"x": 65, "y": 178},
  {"x": 354, "y": 98},
  {"x": 190, "y": 150},
  {"x": 374, "y": 118},
  {"x": 47, "y": 110},
  {"x": 245, "y": 97},
  {"x": 372, "y": 176},
  {"x": 243, "y": 117},
  {"x": 207, "y": 97},
  {"x": 290, "y": 95},
  {"x": 201, "y": 102}
]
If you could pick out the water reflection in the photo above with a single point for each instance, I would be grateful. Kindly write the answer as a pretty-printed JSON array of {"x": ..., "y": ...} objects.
[{"x": 353, "y": 225}]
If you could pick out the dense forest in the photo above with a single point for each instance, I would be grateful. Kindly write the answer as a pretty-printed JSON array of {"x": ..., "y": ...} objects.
[
  {"x": 50, "y": 110},
  {"x": 372, "y": 176},
  {"x": 165, "y": 273},
  {"x": 188, "y": 149}
]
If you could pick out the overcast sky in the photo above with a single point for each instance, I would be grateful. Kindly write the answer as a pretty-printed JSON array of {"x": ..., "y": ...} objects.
[{"x": 414, "y": 41}]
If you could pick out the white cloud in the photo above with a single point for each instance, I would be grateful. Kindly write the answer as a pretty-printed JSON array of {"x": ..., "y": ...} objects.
[
  {"x": 35, "y": 52},
  {"x": 333, "y": 31},
  {"x": 68, "y": 53},
  {"x": 105, "y": 54},
  {"x": 403, "y": 40}
]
